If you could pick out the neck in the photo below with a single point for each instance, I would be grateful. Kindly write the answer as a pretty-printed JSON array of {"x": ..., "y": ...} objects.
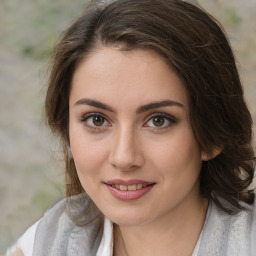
[{"x": 173, "y": 234}]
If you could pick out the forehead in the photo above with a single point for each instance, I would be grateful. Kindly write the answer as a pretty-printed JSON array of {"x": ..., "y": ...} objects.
[{"x": 138, "y": 76}]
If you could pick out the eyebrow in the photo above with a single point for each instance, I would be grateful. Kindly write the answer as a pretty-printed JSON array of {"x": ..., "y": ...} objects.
[
  {"x": 158, "y": 104},
  {"x": 94, "y": 103},
  {"x": 141, "y": 109}
]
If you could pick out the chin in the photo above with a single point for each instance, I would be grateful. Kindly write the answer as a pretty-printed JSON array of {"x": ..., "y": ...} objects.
[{"x": 129, "y": 219}]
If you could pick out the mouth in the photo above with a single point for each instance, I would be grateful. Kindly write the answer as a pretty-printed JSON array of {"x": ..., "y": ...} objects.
[
  {"x": 128, "y": 190},
  {"x": 128, "y": 187}
]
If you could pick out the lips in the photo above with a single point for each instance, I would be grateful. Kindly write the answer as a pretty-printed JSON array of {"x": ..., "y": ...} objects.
[
  {"x": 127, "y": 182},
  {"x": 128, "y": 190},
  {"x": 129, "y": 187}
]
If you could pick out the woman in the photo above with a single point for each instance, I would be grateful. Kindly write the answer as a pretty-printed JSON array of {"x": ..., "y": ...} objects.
[{"x": 146, "y": 98}]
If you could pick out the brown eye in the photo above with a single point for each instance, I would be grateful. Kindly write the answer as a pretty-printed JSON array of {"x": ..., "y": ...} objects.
[
  {"x": 98, "y": 120},
  {"x": 95, "y": 121},
  {"x": 158, "y": 121}
]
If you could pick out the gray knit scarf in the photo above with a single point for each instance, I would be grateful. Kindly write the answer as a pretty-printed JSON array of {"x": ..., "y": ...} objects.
[{"x": 58, "y": 235}]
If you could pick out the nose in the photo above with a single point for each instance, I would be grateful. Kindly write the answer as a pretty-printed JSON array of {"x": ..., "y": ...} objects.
[{"x": 125, "y": 152}]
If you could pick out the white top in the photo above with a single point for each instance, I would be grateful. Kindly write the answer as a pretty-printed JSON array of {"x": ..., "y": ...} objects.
[
  {"x": 26, "y": 241},
  {"x": 223, "y": 234}
]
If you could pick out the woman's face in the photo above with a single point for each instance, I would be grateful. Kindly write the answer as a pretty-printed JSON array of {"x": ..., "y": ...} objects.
[{"x": 130, "y": 136}]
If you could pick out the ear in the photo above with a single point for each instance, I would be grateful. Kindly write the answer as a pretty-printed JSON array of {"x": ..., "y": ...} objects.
[{"x": 215, "y": 152}]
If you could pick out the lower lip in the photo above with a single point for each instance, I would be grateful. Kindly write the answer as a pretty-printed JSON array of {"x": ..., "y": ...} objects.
[{"x": 127, "y": 195}]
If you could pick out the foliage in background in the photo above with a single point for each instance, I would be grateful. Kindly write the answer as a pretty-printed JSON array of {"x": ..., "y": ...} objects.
[
  {"x": 231, "y": 17},
  {"x": 32, "y": 26}
]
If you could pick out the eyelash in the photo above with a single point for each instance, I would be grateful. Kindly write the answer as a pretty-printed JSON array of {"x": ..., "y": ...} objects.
[
  {"x": 86, "y": 117},
  {"x": 169, "y": 118},
  {"x": 96, "y": 128}
]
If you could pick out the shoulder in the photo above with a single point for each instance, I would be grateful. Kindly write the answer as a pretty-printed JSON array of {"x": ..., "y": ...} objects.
[
  {"x": 234, "y": 234},
  {"x": 72, "y": 221},
  {"x": 24, "y": 245},
  {"x": 242, "y": 232},
  {"x": 253, "y": 229}
]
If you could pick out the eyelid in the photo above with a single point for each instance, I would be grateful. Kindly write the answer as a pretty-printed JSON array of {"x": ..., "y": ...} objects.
[
  {"x": 169, "y": 117},
  {"x": 85, "y": 117},
  {"x": 90, "y": 114}
]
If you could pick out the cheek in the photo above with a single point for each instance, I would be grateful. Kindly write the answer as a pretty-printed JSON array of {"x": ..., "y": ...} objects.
[
  {"x": 88, "y": 153},
  {"x": 181, "y": 147},
  {"x": 88, "y": 161},
  {"x": 178, "y": 157},
  {"x": 87, "y": 157}
]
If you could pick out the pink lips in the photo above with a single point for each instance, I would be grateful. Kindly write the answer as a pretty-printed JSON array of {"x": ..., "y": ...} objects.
[{"x": 128, "y": 194}]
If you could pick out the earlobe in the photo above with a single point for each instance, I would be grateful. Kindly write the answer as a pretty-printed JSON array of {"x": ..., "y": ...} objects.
[{"x": 215, "y": 152}]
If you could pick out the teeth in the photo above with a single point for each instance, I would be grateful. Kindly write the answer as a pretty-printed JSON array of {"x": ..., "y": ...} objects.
[
  {"x": 132, "y": 187},
  {"x": 129, "y": 187},
  {"x": 123, "y": 187},
  {"x": 138, "y": 186}
]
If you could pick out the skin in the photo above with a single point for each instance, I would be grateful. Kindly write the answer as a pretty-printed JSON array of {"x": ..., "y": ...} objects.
[
  {"x": 126, "y": 142},
  {"x": 18, "y": 253}
]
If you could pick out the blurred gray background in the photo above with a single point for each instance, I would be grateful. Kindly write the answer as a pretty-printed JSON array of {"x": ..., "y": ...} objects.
[{"x": 31, "y": 171}]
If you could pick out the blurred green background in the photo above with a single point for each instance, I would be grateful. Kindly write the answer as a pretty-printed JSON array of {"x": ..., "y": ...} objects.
[{"x": 31, "y": 170}]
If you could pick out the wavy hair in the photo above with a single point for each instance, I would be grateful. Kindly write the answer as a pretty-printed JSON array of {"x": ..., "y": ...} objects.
[{"x": 195, "y": 46}]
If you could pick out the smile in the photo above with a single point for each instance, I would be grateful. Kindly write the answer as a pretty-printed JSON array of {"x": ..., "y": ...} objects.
[
  {"x": 128, "y": 187},
  {"x": 128, "y": 190}
]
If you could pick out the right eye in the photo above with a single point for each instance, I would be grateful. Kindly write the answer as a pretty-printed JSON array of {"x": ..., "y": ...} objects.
[{"x": 95, "y": 121}]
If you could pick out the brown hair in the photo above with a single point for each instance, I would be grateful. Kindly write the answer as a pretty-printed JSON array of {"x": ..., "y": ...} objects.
[{"x": 195, "y": 46}]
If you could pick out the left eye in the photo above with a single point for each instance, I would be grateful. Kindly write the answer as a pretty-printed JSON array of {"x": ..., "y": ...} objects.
[
  {"x": 95, "y": 120},
  {"x": 160, "y": 121}
]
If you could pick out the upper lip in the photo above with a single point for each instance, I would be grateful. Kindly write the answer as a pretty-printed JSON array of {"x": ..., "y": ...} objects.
[{"x": 127, "y": 182}]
